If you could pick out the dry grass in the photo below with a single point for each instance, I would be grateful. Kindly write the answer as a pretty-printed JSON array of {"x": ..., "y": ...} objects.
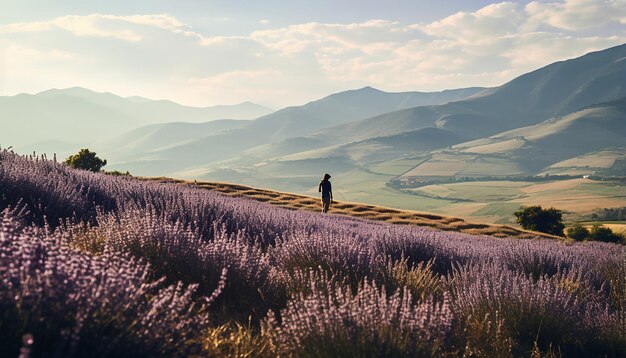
[{"x": 365, "y": 211}]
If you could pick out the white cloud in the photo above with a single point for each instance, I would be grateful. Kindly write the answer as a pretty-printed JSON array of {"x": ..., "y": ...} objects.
[
  {"x": 97, "y": 25},
  {"x": 577, "y": 14},
  {"x": 160, "y": 56},
  {"x": 493, "y": 20}
]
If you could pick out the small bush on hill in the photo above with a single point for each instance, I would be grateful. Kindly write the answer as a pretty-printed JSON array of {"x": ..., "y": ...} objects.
[
  {"x": 577, "y": 232},
  {"x": 536, "y": 218},
  {"x": 604, "y": 234},
  {"x": 117, "y": 173},
  {"x": 597, "y": 233},
  {"x": 86, "y": 160}
]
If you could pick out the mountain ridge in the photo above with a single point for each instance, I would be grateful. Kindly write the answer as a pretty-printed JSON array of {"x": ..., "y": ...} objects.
[{"x": 82, "y": 116}]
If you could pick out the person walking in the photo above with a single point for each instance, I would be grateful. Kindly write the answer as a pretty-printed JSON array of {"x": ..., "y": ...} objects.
[{"x": 327, "y": 192}]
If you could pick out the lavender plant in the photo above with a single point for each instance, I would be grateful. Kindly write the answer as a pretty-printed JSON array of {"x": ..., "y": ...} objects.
[
  {"x": 332, "y": 322},
  {"x": 180, "y": 254},
  {"x": 73, "y": 304},
  {"x": 549, "y": 311}
]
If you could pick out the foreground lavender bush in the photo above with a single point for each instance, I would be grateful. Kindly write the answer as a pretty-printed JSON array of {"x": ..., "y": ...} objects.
[
  {"x": 561, "y": 311},
  {"x": 181, "y": 254},
  {"x": 73, "y": 304},
  {"x": 330, "y": 321}
]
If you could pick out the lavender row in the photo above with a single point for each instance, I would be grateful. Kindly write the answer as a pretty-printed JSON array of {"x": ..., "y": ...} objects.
[{"x": 74, "y": 304}]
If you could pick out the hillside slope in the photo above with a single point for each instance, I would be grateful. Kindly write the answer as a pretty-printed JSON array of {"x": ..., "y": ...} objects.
[
  {"x": 528, "y": 150},
  {"x": 371, "y": 212}
]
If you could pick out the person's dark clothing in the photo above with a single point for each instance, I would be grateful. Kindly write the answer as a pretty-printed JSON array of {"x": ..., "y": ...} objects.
[{"x": 325, "y": 188}]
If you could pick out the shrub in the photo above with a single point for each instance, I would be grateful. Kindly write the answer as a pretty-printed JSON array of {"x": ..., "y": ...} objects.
[
  {"x": 418, "y": 279},
  {"x": 604, "y": 234},
  {"x": 180, "y": 254},
  {"x": 85, "y": 160},
  {"x": 577, "y": 232},
  {"x": 542, "y": 220},
  {"x": 118, "y": 173}
]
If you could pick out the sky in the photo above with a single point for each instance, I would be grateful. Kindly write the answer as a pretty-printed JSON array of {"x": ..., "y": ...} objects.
[{"x": 280, "y": 53}]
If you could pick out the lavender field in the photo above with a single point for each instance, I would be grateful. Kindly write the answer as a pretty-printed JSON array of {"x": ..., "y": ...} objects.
[{"x": 98, "y": 265}]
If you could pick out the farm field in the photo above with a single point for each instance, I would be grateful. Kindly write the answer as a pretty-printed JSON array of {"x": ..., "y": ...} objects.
[
  {"x": 130, "y": 266},
  {"x": 586, "y": 164},
  {"x": 479, "y": 201},
  {"x": 495, "y": 201},
  {"x": 449, "y": 165}
]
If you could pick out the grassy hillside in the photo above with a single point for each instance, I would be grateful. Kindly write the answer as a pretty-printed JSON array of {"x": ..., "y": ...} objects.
[
  {"x": 486, "y": 201},
  {"x": 360, "y": 210},
  {"x": 603, "y": 162},
  {"x": 536, "y": 147}
]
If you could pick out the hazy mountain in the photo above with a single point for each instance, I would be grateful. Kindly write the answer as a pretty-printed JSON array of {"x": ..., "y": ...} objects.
[
  {"x": 160, "y": 111},
  {"x": 346, "y": 107},
  {"x": 158, "y": 136},
  {"x": 382, "y": 148},
  {"x": 549, "y": 92},
  {"x": 27, "y": 119},
  {"x": 552, "y": 91},
  {"x": 80, "y": 115},
  {"x": 341, "y": 107}
]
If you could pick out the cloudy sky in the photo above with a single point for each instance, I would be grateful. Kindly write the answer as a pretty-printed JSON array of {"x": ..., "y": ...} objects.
[{"x": 279, "y": 53}]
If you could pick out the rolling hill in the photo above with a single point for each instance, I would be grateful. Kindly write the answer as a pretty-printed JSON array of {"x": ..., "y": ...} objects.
[
  {"x": 530, "y": 150},
  {"x": 371, "y": 212},
  {"x": 472, "y": 138}
]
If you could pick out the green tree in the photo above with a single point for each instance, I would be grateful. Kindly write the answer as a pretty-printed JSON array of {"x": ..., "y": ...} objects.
[
  {"x": 577, "y": 232},
  {"x": 604, "y": 234},
  {"x": 85, "y": 160},
  {"x": 536, "y": 218}
]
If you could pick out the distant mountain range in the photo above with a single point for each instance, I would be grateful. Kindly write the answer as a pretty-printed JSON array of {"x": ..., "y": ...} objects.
[
  {"x": 291, "y": 122},
  {"x": 78, "y": 116},
  {"x": 566, "y": 110}
]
